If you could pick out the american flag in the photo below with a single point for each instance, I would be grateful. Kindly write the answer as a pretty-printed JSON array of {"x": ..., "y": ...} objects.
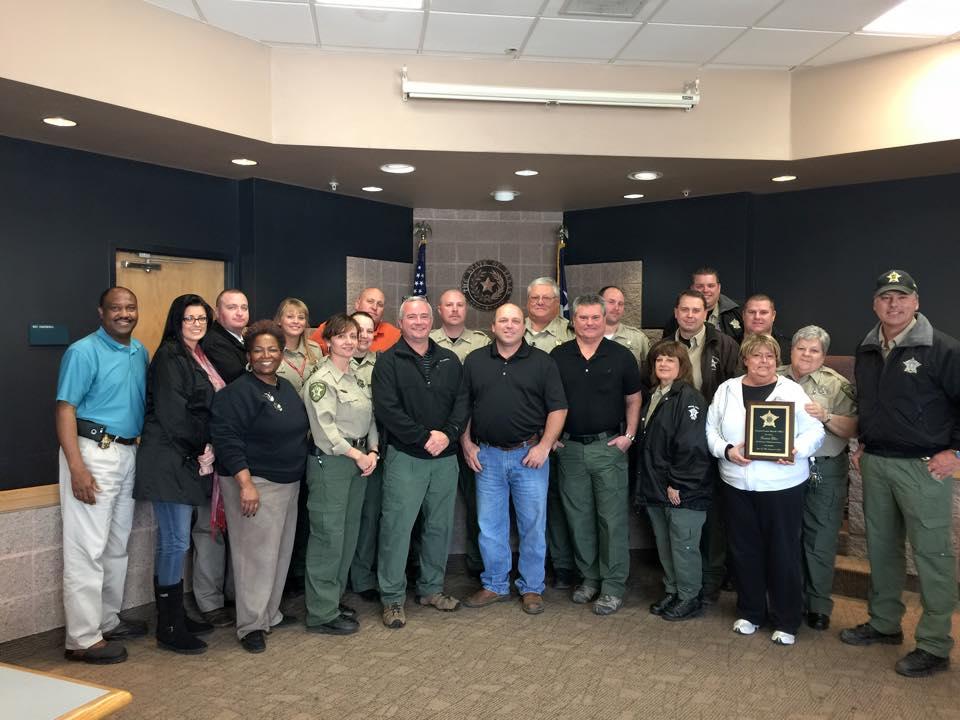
[
  {"x": 562, "y": 235},
  {"x": 420, "y": 277}
]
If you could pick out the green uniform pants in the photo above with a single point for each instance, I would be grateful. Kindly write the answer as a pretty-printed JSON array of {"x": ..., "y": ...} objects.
[
  {"x": 823, "y": 504},
  {"x": 593, "y": 488},
  {"x": 559, "y": 544},
  {"x": 363, "y": 570},
  {"x": 334, "y": 502},
  {"x": 467, "y": 483},
  {"x": 677, "y": 531},
  {"x": 410, "y": 483},
  {"x": 901, "y": 498}
]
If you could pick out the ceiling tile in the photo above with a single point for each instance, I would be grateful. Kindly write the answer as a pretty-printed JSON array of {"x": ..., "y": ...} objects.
[
  {"x": 783, "y": 48},
  {"x": 492, "y": 34},
  {"x": 527, "y": 8},
  {"x": 861, "y": 46},
  {"x": 679, "y": 43},
  {"x": 265, "y": 21},
  {"x": 554, "y": 37},
  {"x": 181, "y": 7},
  {"x": 826, "y": 14},
  {"x": 382, "y": 29},
  {"x": 554, "y": 6},
  {"x": 714, "y": 12}
]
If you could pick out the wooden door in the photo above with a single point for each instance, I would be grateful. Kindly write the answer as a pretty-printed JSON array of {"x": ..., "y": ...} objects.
[{"x": 157, "y": 279}]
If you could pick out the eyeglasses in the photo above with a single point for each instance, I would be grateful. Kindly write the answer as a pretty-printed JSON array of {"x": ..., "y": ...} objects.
[
  {"x": 542, "y": 298},
  {"x": 191, "y": 320}
]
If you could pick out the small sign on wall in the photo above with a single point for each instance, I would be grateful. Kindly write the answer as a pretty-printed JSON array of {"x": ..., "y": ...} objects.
[{"x": 47, "y": 334}]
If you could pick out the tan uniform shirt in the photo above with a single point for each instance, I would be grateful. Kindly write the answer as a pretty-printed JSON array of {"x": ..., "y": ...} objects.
[
  {"x": 468, "y": 341},
  {"x": 296, "y": 367},
  {"x": 555, "y": 333},
  {"x": 655, "y": 400},
  {"x": 363, "y": 369},
  {"x": 340, "y": 409},
  {"x": 634, "y": 340},
  {"x": 886, "y": 347},
  {"x": 830, "y": 389},
  {"x": 694, "y": 351}
]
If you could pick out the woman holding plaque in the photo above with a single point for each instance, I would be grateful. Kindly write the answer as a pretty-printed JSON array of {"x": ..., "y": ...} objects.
[{"x": 759, "y": 429}]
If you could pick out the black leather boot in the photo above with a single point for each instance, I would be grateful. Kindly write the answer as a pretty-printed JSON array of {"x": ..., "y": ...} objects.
[
  {"x": 172, "y": 633},
  {"x": 194, "y": 627}
]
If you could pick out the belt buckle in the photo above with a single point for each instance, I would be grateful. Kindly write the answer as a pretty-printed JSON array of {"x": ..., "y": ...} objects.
[
  {"x": 105, "y": 441},
  {"x": 589, "y": 439}
]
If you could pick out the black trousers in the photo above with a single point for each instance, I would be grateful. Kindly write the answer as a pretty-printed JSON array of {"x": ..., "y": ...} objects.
[{"x": 763, "y": 530}]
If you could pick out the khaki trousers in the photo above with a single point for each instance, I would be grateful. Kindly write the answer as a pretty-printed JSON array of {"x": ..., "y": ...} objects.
[{"x": 260, "y": 549}]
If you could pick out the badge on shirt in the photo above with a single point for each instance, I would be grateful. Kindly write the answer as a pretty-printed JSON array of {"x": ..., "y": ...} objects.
[
  {"x": 714, "y": 364},
  {"x": 735, "y": 324},
  {"x": 361, "y": 383},
  {"x": 317, "y": 390},
  {"x": 911, "y": 365},
  {"x": 694, "y": 411}
]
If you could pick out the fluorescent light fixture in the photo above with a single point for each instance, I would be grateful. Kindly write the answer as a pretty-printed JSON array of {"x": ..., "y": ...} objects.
[
  {"x": 376, "y": 4},
  {"x": 526, "y": 173},
  {"x": 632, "y": 196},
  {"x": 397, "y": 168},
  {"x": 504, "y": 195},
  {"x": 784, "y": 178},
  {"x": 645, "y": 175},
  {"x": 246, "y": 162},
  {"x": 59, "y": 122},
  {"x": 372, "y": 188},
  {"x": 686, "y": 99},
  {"x": 919, "y": 17}
]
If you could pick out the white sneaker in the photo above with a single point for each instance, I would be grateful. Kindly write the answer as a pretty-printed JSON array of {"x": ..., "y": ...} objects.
[
  {"x": 782, "y": 638},
  {"x": 744, "y": 627}
]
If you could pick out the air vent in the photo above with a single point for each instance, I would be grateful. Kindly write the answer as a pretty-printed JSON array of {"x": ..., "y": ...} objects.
[{"x": 623, "y": 9}]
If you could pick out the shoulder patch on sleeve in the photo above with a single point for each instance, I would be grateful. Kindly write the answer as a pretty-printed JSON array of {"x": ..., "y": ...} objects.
[
  {"x": 317, "y": 390},
  {"x": 849, "y": 390}
]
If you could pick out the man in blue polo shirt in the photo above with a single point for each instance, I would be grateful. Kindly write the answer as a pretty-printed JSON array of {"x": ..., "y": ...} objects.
[{"x": 100, "y": 403}]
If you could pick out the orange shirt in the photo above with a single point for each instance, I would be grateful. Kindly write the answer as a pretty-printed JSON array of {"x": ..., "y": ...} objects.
[{"x": 385, "y": 336}]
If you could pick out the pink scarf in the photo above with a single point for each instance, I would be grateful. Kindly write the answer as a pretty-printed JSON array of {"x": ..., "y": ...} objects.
[{"x": 218, "y": 517}]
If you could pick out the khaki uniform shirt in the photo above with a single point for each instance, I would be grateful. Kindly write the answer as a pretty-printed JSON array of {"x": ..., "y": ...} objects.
[
  {"x": 340, "y": 409},
  {"x": 555, "y": 333},
  {"x": 886, "y": 347},
  {"x": 830, "y": 389},
  {"x": 295, "y": 367},
  {"x": 363, "y": 369},
  {"x": 694, "y": 351},
  {"x": 468, "y": 341},
  {"x": 634, "y": 340}
]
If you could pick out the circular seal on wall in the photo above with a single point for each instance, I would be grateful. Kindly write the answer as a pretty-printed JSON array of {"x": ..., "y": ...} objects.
[{"x": 487, "y": 284}]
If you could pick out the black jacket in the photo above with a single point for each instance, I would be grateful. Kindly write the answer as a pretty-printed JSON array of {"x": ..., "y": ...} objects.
[
  {"x": 719, "y": 361},
  {"x": 731, "y": 320},
  {"x": 910, "y": 404},
  {"x": 407, "y": 407},
  {"x": 175, "y": 429},
  {"x": 226, "y": 353},
  {"x": 673, "y": 451}
]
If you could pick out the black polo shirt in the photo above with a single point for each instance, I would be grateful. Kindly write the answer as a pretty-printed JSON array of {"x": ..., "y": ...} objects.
[
  {"x": 596, "y": 387},
  {"x": 510, "y": 399}
]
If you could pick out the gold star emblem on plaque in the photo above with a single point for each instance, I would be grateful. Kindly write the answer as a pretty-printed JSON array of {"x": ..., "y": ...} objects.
[
  {"x": 894, "y": 276},
  {"x": 769, "y": 419}
]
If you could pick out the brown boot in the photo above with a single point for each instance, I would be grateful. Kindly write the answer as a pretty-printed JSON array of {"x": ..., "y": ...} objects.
[{"x": 483, "y": 597}]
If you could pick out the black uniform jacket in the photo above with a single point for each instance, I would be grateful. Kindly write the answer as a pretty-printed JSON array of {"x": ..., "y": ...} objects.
[
  {"x": 910, "y": 404},
  {"x": 408, "y": 407},
  {"x": 673, "y": 451},
  {"x": 175, "y": 429},
  {"x": 226, "y": 353}
]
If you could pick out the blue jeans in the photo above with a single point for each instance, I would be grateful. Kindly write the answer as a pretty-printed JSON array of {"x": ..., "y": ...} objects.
[
  {"x": 504, "y": 477},
  {"x": 173, "y": 540}
]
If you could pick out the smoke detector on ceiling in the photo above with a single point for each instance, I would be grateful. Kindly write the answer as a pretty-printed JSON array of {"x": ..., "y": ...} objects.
[{"x": 601, "y": 8}]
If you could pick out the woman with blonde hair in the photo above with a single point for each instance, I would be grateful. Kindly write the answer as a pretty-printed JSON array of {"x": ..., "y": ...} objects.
[{"x": 301, "y": 356}]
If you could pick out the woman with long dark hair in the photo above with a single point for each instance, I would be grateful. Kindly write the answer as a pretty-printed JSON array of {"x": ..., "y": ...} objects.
[{"x": 175, "y": 459}]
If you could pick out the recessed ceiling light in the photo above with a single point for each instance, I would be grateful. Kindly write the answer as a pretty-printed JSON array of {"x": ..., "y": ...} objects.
[
  {"x": 504, "y": 195},
  {"x": 59, "y": 122},
  {"x": 378, "y": 4},
  {"x": 246, "y": 162},
  {"x": 632, "y": 196},
  {"x": 526, "y": 173},
  {"x": 919, "y": 17},
  {"x": 784, "y": 178},
  {"x": 645, "y": 175},
  {"x": 372, "y": 188},
  {"x": 397, "y": 168}
]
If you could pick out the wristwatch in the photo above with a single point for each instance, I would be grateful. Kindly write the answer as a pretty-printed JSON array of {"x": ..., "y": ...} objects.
[{"x": 633, "y": 438}]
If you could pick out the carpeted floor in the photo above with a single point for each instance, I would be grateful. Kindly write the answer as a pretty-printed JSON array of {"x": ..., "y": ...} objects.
[{"x": 500, "y": 663}]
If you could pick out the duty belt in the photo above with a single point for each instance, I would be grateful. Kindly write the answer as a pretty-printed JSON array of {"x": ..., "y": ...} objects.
[
  {"x": 98, "y": 433},
  {"x": 587, "y": 439},
  {"x": 532, "y": 440},
  {"x": 358, "y": 443}
]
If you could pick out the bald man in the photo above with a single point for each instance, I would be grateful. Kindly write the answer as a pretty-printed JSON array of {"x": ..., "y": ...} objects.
[{"x": 372, "y": 301}]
